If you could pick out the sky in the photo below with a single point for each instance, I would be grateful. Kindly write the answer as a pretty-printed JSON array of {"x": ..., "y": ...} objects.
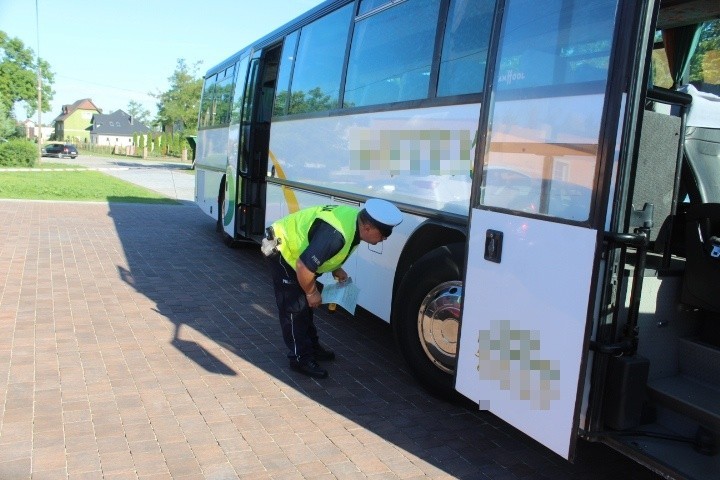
[{"x": 117, "y": 51}]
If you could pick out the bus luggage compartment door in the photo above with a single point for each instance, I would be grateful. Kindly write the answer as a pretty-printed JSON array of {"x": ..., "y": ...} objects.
[{"x": 524, "y": 323}]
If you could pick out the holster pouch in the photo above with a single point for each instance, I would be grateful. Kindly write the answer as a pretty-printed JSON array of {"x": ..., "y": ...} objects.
[{"x": 269, "y": 244}]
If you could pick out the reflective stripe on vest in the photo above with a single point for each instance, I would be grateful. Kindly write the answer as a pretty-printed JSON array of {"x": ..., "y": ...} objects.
[{"x": 293, "y": 230}]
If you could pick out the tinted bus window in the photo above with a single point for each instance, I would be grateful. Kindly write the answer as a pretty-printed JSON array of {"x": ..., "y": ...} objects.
[
  {"x": 465, "y": 47},
  {"x": 553, "y": 62},
  {"x": 391, "y": 54},
  {"x": 207, "y": 106},
  {"x": 703, "y": 71},
  {"x": 239, "y": 91},
  {"x": 223, "y": 96},
  {"x": 370, "y": 5},
  {"x": 559, "y": 45},
  {"x": 318, "y": 66},
  {"x": 283, "y": 81}
]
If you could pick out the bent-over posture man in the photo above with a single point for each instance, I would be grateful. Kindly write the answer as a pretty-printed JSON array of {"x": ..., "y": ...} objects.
[{"x": 302, "y": 246}]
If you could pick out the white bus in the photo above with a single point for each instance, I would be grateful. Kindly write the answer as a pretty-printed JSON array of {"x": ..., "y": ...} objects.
[{"x": 572, "y": 222}]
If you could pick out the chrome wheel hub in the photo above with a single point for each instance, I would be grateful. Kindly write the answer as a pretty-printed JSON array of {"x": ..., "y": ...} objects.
[{"x": 438, "y": 324}]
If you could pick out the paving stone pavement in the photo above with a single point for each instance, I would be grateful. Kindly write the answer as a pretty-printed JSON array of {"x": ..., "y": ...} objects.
[{"x": 135, "y": 344}]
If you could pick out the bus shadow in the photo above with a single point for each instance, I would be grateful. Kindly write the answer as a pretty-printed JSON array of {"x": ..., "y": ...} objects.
[
  {"x": 165, "y": 165},
  {"x": 220, "y": 306}
]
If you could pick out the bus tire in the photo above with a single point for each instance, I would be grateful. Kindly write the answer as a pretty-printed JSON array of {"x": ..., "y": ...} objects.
[{"x": 427, "y": 316}]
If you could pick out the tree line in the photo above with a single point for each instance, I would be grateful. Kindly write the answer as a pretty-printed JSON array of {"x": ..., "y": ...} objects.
[{"x": 177, "y": 107}]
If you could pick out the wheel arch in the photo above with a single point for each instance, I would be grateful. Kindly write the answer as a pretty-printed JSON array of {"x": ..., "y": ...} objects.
[{"x": 429, "y": 236}]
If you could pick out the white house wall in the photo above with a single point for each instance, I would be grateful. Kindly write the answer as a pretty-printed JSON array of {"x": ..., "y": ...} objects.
[{"x": 112, "y": 140}]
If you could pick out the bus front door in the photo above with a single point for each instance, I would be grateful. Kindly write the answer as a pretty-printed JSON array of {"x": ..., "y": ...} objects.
[
  {"x": 534, "y": 237},
  {"x": 254, "y": 142}
]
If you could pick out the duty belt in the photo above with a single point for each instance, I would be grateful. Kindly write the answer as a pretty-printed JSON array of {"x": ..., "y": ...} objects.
[{"x": 269, "y": 244}]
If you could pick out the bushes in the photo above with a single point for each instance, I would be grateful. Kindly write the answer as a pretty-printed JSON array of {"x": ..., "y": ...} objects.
[{"x": 18, "y": 153}]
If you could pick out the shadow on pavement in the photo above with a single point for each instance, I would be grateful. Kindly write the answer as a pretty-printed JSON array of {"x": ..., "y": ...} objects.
[
  {"x": 220, "y": 300},
  {"x": 166, "y": 165}
]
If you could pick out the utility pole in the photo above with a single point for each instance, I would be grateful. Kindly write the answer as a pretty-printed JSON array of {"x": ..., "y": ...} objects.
[{"x": 39, "y": 84}]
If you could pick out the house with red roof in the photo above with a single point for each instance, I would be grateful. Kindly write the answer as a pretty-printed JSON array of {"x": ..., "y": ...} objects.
[{"x": 76, "y": 120}]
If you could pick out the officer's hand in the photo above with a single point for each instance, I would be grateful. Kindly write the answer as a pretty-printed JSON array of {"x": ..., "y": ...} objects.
[
  {"x": 340, "y": 275},
  {"x": 314, "y": 299}
]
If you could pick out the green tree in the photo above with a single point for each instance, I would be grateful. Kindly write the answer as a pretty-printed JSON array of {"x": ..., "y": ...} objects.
[
  {"x": 706, "y": 62},
  {"x": 180, "y": 104},
  {"x": 7, "y": 123},
  {"x": 138, "y": 112},
  {"x": 301, "y": 102},
  {"x": 18, "y": 77}
]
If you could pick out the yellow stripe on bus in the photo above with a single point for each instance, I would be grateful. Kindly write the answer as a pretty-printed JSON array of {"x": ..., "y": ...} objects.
[{"x": 290, "y": 198}]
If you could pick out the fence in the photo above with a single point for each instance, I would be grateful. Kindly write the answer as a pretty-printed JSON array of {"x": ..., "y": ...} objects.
[{"x": 130, "y": 151}]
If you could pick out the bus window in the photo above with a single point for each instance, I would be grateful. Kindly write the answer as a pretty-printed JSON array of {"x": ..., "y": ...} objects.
[
  {"x": 557, "y": 48},
  {"x": 207, "y": 106},
  {"x": 370, "y": 5},
  {"x": 239, "y": 91},
  {"x": 283, "y": 82},
  {"x": 320, "y": 55},
  {"x": 703, "y": 70},
  {"x": 223, "y": 96},
  {"x": 546, "y": 120},
  {"x": 705, "y": 63},
  {"x": 391, "y": 54},
  {"x": 465, "y": 47}
]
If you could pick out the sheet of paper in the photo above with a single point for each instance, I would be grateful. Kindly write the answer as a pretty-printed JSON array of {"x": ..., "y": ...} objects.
[{"x": 343, "y": 294}]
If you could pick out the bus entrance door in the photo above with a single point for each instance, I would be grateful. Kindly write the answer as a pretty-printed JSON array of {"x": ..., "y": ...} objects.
[{"x": 254, "y": 142}]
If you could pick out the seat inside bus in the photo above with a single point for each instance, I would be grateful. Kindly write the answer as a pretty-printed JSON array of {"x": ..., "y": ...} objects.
[{"x": 701, "y": 283}]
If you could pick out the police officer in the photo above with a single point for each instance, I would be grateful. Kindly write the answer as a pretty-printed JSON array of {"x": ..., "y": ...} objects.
[{"x": 302, "y": 246}]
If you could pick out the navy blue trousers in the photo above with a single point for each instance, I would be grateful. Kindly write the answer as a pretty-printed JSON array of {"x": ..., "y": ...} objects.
[{"x": 296, "y": 317}]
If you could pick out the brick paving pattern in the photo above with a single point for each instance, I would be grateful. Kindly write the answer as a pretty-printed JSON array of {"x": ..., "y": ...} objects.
[{"x": 134, "y": 344}]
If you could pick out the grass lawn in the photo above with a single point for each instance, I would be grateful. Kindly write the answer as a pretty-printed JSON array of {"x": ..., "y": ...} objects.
[
  {"x": 45, "y": 164},
  {"x": 75, "y": 185}
]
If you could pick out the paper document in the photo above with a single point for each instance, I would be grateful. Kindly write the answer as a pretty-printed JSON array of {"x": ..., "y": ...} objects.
[{"x": 343, "y": 294}]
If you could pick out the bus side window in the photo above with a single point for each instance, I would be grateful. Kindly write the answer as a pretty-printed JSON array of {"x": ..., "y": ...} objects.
[
  {"x": 282, "y": 97},
  {"x": 223, "y": 97},
  {"x": 319, "y": 62},
  {"x": 207, "y": 106},
  {"x": 391, "y": 54},
  {"x": 465, "y": 47}
]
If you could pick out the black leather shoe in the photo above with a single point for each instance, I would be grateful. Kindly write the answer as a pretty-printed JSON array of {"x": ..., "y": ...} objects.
[
  {"x": 322, "y": 354},
  {"x": 309, "y": 368}
]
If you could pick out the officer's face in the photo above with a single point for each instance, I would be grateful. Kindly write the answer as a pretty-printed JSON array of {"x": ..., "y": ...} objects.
[{"x": 371, "y": 235}]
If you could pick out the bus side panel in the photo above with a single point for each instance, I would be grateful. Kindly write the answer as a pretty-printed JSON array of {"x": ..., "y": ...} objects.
[
  {"x": 372, "y": 267},
  {"x": 211, "y": 164},
  {"x": 377, "y": 265},
  {"x": 418, "y": 157}
]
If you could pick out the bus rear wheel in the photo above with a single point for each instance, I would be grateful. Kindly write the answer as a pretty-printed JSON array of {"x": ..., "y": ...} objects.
[{"x": 426, "y": 319}]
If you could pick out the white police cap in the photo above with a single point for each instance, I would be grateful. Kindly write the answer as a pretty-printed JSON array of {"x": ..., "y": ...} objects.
[{"x": 383, "y": 213}]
